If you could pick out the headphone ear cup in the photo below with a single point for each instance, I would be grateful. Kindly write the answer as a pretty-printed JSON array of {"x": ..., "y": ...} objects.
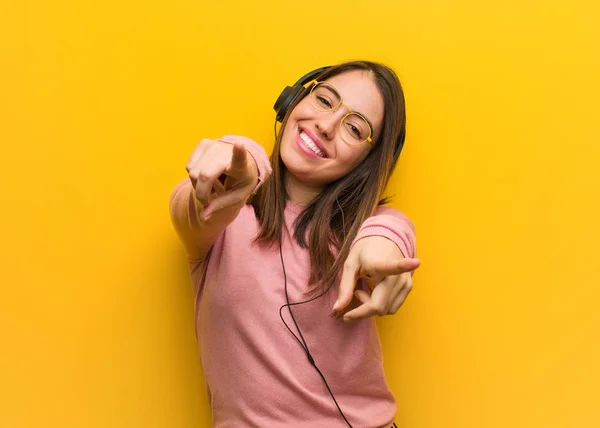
[
  {"x": 285, "y": 100},
  {"x": 290, "y": 93}
]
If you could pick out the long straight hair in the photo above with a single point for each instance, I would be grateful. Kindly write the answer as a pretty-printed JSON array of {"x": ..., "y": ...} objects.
[{"x": 358, "y": 193}]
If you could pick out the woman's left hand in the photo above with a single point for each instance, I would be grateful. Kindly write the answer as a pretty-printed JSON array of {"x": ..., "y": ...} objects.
[{"x": 387, "y": 272}]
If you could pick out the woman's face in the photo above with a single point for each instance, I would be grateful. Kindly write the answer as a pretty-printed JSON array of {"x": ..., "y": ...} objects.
[{"x": 333, "y": 157}]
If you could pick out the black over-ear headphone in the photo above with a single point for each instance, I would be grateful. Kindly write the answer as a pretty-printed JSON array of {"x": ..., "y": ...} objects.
[{"x": 291, "y": 93}]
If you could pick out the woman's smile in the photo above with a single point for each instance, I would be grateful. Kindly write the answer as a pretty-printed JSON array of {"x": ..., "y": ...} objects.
[{"x": 309, "y": 144}]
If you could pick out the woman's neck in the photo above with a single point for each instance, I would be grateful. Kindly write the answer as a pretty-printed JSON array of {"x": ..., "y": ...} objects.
[{"x": 299, "y": 193}]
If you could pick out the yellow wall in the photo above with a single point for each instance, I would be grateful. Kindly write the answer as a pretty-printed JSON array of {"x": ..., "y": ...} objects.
[{"x": 101, "y": 104}]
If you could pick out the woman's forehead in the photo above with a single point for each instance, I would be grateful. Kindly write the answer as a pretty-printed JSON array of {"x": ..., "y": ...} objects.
[{"x": 360, "y": 93}]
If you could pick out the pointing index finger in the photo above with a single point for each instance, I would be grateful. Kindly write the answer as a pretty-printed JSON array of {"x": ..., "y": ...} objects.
[
  {"x": 395, "y": 267},
  {"x": 238, "y": 159}
]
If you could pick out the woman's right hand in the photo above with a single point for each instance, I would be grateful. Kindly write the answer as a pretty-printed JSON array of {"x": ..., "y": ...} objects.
[{"x": 222, "y": 169}]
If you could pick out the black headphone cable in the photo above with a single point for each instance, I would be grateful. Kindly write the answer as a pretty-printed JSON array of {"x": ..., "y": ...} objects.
[{"x": 301, "y": 341}]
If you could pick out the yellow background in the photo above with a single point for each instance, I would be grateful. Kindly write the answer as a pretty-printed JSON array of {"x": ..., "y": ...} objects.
[{"x": 101, "y": 104}]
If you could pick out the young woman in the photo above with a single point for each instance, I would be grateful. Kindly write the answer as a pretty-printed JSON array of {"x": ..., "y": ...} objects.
[{"x": 292, "y": 257}]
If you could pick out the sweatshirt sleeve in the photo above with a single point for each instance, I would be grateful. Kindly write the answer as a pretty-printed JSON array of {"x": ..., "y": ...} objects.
[
  {"x": 393, "y": 225},
  {"x": 258, "y": 154}
]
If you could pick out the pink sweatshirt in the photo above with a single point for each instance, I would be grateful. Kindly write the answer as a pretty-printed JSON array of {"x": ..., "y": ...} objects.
[{"x": 257, "y": 374}]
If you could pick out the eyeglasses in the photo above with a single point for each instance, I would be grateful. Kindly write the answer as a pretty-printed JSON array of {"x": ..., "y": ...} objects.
[{"x": 355, "y": 129}]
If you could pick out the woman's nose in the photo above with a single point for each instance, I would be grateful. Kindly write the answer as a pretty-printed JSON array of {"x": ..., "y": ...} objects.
[{"x": 328, "y": 123}]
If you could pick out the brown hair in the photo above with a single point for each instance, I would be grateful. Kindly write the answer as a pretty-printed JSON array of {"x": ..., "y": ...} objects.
[{"x": 358, "y": 192}]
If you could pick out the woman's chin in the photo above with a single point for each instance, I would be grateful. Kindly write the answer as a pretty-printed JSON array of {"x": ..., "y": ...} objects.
[
  {"x": 299, "y": 173},
  {"x": 302, "y": 174},
  {"x": 304, "y": 169}
]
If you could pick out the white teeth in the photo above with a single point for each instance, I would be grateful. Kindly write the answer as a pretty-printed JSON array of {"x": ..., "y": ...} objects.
[{"x": 310, "y": 144}]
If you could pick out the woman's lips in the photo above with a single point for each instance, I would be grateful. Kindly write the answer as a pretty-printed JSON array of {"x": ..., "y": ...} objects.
[
  {"x": 315, "y": 140},
  {"x": 305, "y": 149}
]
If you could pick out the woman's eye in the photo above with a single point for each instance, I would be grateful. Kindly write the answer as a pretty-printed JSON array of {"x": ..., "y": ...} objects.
[
  {"x": 324, "y": 101},
  {"x": 354, "y": 130}
]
